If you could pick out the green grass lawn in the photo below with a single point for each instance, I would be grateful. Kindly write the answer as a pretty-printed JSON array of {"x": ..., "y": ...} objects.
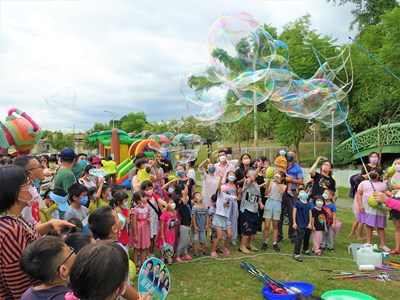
[{"x": 207, "y": 278}]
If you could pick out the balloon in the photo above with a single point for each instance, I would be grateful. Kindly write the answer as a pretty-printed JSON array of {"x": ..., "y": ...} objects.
[
  {"x": 372, "y": 202},
  {"x": 270, "y": 172},
  {"x": 132, "y": 270},
  {"x": 390, "y": 171}
]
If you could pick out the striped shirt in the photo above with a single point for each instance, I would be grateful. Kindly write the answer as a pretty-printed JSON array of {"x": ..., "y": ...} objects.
[{"x": 14, "y": 238}]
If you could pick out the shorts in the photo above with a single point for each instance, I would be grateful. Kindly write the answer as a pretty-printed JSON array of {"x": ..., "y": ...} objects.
[
  {"x": 249, "y": 223},
  {"x": 272, "y": 210},
  {"x": 221, "y": 222},
  {"x": 200, "y": 235},
  {"x": 394, "y": 215}
]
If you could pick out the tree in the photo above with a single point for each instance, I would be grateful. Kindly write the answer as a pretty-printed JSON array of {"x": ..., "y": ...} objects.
[
  {"x": 134, "y": 122},
  {"x": 59, "y": 140},
  {"x": 97, "y": 127},
  {"x": 367, "y": 12}
]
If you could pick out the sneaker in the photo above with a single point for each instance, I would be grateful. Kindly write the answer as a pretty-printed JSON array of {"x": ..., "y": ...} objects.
[
  {"x": 214, "y": 254},
  {"x": 280, "y": 239},
  {"x": 187, "y": 257},
  {"x": 226, "y": 251},
  {"x": 169, "y": 260},
  {"x": 297, "y": 257},
  {"x": 245, "y": 250},
  {"x": 276, "y": 247},
  {"x": 307, "y": 252},
  {"x": 394, "y": 252},
  {"x": 178, "y": 259},
  {"x": 264, "y": 246}
]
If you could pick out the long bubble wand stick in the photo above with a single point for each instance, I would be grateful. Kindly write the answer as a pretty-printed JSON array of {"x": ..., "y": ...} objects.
[
  {"x": 344, "y": 118},
  {"x": 374, "y": 58}
]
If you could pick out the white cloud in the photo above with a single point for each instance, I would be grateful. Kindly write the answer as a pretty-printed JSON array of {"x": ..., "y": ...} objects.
[{"x": 120, "y": 56}]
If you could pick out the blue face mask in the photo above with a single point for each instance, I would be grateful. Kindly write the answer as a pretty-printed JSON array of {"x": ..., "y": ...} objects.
[
  {"x": 170, "y": 190},
  {"x": 122, "y": 219},
  {"x": 282, "y": 152},
  {"x": 231, "y": 178},
  {"x": 211, "y": 169},
  {"x": 83, "y": 163},
  {"x": 251, "y": 173},
  {"x": 290, "y": 158},
  {"x": 83, "y": 200},
  {"x": 303, "y": 196},
  {"x": 37, "y": 183},
  {"x": 179, "y": 173}
]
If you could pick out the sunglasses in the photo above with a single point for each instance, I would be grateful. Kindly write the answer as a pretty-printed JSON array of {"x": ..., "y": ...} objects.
[{"x": 65, "y": 260}]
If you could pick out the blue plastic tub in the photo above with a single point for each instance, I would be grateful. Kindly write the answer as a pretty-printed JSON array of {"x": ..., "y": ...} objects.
[{"x": 306, "y": 289}]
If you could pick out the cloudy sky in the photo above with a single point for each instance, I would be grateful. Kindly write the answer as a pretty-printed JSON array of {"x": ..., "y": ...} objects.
[{"x": 120, "y": 56}]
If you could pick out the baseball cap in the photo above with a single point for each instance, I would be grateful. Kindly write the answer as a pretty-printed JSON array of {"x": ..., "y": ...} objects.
[{"x": 67, "y": 154}]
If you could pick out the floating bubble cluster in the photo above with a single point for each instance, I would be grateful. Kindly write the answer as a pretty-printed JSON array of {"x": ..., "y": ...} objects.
[
  {"x": 183, "y": 147},
  {"x": 63, "y": 98},
  {"x": 248, "y": 67}
]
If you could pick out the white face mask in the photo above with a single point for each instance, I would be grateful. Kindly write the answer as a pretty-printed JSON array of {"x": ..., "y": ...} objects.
[
  {"x": 34, "y": 194},
  {"x": 319, "y": 203},
  {"x": 125, "y": 204},
  {"x": 222, "y": 158},
  {"x": 173, "y": 206}
]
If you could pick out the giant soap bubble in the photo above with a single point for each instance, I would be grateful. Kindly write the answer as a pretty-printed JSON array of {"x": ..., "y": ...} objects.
[
  {"x": 64, "y": 98},
  {"x": 248, "y": 67}
]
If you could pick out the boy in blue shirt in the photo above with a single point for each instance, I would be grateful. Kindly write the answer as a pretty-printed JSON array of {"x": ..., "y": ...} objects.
[{"x": 302, "y": 223}]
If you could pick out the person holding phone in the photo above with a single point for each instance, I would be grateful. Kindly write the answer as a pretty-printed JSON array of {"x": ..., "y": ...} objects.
[{"x": 323, "y": 180}]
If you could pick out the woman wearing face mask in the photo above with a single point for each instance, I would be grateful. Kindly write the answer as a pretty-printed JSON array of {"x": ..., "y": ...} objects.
[
  {"x": 209, "y": 181},
  {"x": 16, "y": 193},
  {"x": 244, "y": 165},
  {"x": 372, "y": 217},
  {"x": 87, "y": 179},
  {"x": 323, "y": 180}
]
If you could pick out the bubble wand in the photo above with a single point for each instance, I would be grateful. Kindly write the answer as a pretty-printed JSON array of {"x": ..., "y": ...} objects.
[{"x": 344, "y": 118}]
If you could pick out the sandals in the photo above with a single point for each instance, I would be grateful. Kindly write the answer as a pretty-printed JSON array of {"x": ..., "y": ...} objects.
[
  {"x": 226, "y": 251},
  {"x": 214, "y": 254},
  {"x": 245, "y": 250}
]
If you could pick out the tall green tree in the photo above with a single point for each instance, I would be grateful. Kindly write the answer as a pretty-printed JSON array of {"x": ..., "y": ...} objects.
[
  {"x": 59, "y": 140},
  {"x": 367, "y": 12},
  {"x": 134, "y": 122}
]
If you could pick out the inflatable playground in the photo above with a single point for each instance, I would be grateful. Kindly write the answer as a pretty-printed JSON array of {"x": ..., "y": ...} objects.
[{"x": 126, "y": 147}]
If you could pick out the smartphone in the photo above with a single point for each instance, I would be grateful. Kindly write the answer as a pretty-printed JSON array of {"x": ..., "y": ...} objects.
[{"x": 229, "y": 150}]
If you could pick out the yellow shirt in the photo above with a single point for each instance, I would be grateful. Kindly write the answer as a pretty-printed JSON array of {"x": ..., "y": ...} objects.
[
  {"x": 282, "y": 161},
  {"x": 95, "y": 205},
  {"x": 109, "y": 166}
]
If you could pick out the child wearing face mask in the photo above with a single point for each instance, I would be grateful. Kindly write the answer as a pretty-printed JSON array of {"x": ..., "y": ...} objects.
[
  {"x": 281, "y": 162},
  {"x": 119, "y": 203},
  {"x": 330, "y": 213},
  {"x": 36, "y": 261},
  {"x": 157, "y": 207},
  {"x": 233, "y": 208},
  {"x": 77, "y": 195},
  {"x": 168, "y": 222},
  {"x": 140, "y": 229},
  {"x": 302, "y": 223},
  {"x": 102, "y": 197},
  {"x": 199, "y": 222},
  {"x": 209, "y": 180},
  {"x": 318, "y": 222}
]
